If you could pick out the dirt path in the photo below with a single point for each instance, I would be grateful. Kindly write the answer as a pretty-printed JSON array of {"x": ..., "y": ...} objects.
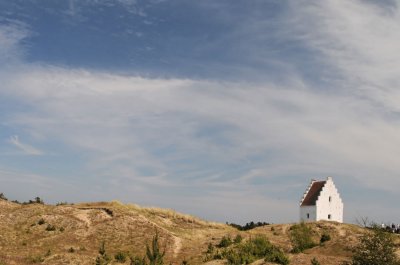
[
  {"x": 84, "y": 217},
  {"x": 177, "y": 246}
]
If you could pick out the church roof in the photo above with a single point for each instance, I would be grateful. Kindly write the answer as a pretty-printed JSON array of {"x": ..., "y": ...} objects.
[{"x": 313, "y": 193}]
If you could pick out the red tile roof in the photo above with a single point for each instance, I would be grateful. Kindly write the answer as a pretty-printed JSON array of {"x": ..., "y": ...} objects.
[{"x": 313, "y": 193}]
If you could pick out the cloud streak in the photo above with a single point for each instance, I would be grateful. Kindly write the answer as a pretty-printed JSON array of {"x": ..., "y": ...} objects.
[{"x": 25, "y": 148}]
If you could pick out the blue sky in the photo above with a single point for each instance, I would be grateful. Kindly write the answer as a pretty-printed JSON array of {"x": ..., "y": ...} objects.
[{"x": 221, "y": 109}]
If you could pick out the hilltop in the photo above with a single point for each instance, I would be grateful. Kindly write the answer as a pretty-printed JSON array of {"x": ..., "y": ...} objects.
[{"x": 72, "y": 234}]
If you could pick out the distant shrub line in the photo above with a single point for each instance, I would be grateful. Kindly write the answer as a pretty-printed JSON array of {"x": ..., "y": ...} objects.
[{"x": 247, "y": 226}]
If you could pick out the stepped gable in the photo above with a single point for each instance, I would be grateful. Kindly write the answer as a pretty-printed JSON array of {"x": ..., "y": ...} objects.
[{"x": 313, "y": 193}]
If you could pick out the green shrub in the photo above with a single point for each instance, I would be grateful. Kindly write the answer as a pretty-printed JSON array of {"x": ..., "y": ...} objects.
[
  {"x": 375, "y": 248},
  {"x": 238, "y": 239},
  {"x": 226, "y": 241},
  {"x": 254, "y": 249},
  {"x": 210, "y": 248},
  {"x": 325, "y": 237},
  {"x": 120, "y": 257},
  {"x": 154, "y": 254},
  {"x": 301, "y": 237},
  {"x": 218, "y": 255},
  {"x": 278, "y": 257},
  {"x": 102, "y": 258}
]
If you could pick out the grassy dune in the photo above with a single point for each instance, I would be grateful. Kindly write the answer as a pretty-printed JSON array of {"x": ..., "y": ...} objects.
[{"x": 72, "y": 234}]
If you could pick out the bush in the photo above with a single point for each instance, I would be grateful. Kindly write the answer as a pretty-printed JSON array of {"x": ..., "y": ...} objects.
[
  {"x": 210, "y": 248},
  {"x": 375, "y": 248},
  {"x": 238, "y": 239},
  {"x": 154, "y": 254},
  {"x": 71, "y": 250},
  {"x": 324, "y": 238},
  {"x": 41, "y": 221},
  {"x": 278, "y": 257},
  {"x": 255, "y": 249},
  {"x": 226, "y": 241},
  {"x": 301, "y": 237},
  {"x": 102, "y": 258},
  {"x": 38, "y": 200},
  {"x": 120, "y": 257}
]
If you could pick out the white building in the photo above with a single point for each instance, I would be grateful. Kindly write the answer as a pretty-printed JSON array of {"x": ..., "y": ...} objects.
[{"x": 321, "y": 201}]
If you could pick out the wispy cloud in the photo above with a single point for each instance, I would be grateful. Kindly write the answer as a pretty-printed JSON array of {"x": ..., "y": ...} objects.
[
  {"x": 26, "y": 148},
  {"x": 11, "y": 35}
]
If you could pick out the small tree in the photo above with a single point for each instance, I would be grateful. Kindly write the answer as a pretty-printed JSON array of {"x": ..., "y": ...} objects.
[
  {"x": 154, "y": 254},
  {"x": 375, "y": 248},
  {"x": 38, "y": 200}
]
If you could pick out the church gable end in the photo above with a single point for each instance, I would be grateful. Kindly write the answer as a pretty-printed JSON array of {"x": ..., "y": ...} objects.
[{"x": 321, "y": 201}]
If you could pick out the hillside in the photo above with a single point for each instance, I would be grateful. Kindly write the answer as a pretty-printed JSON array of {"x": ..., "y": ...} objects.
[{"x": 72, "y": 234}]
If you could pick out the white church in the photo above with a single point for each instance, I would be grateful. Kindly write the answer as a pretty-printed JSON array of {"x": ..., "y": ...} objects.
[{"x": 321, "y": 201}]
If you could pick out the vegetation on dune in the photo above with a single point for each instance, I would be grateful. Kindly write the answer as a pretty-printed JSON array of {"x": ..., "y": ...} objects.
[
  {"x": 245, "y": 252},
  {"x": 40, "y": 233},
  {"x": 247, "y": 226},
  {"x": 375, "y": 248},
  {"x": 325, "y": 237},
  {"x": 103, "y": 258},
  {"x": 301, "y": 237},
  {"x": 153, "y": 253}
]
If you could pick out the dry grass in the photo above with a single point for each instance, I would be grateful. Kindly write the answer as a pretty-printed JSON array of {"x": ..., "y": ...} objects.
[{"x": 128, "y": 228}]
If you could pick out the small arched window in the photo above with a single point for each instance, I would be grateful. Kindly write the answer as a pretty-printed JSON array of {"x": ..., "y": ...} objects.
[{"x": 330, "y": 198}]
